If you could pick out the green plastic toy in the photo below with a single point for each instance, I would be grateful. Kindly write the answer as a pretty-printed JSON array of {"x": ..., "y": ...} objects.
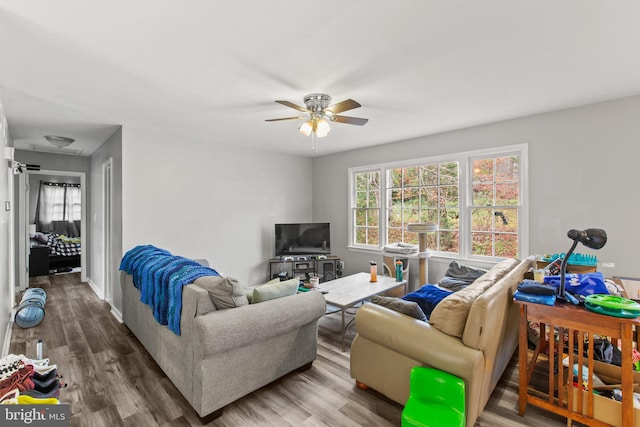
[
  {"x": 436, "y": 399},
  {"x": 612, "y": 305}
]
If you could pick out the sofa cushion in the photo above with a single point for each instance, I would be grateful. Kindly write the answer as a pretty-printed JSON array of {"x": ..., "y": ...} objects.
[
  {"x": 410, "y": 308},
  {"x": 450, "y": 315},
  {"x": 225, "y": 292},
  {"x": 486, "y": 323},
  {"x": 271, "y": 291},
  {"x": 427, "y": 297}
]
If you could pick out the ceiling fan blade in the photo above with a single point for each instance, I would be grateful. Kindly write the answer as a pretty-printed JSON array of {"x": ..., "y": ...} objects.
[
  {"x": 294, "y": 106},
  {"x": 348, "y": 104},
  {"x": 349, "y": 120},
  {"x": 284, "y": 118}
]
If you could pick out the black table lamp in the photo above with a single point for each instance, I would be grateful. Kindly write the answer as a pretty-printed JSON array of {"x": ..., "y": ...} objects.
[{"x": 593, "y": 238}]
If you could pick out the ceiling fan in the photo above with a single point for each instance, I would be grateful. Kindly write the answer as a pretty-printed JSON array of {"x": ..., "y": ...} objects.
[{"x": 318, "y": 114}]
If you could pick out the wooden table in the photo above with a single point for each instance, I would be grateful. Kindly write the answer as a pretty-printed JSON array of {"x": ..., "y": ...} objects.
[
  {"x": 579, "y": 322},
  {"x": 348, "y": 291}
]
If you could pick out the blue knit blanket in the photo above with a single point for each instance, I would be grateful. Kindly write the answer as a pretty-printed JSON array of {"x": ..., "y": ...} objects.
[{"x": 160, "y": 278}]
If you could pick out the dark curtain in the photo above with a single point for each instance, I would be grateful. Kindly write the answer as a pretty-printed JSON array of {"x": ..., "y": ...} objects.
[{"x": 58, "y": 209}]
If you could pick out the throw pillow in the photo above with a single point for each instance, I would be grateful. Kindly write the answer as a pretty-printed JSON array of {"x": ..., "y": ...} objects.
[
  {"x": 271, "y": 291},
  {"x": 427, "y": 297},
  {"x": 458, "y": 276},
  {"x": 409, "y": 308},
  {"x": 249, "y": 291},
  {"x": 452, "y": 283},
  {"x": 41, "y": 238},
  {"x": 225, "y": 292}
]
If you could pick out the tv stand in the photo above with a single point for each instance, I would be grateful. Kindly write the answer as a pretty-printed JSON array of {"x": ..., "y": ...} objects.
[{"x": 326, "y": 267}]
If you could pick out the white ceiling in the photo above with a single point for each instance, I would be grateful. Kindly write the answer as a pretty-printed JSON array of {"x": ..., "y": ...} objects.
[{"x": 211, "y": 70}]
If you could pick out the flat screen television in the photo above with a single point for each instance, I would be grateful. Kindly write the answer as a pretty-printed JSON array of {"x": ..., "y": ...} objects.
[{"x": 311, "y": 238}]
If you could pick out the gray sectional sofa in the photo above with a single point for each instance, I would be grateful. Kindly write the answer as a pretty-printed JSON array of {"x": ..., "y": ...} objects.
[{"x": 222, "y": 355}]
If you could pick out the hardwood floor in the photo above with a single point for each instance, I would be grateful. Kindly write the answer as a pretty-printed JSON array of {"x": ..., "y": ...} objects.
[{"x": 112, "y": 381}]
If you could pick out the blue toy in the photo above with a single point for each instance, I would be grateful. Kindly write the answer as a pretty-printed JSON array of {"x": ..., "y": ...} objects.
[{"x": 30, "y": 312}]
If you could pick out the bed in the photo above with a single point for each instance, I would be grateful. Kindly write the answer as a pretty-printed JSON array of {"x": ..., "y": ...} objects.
[{"x": 52, "y": 252}]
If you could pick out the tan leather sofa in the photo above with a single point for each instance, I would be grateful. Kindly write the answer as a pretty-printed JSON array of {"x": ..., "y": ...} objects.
[{"x": 471, "y": 333}]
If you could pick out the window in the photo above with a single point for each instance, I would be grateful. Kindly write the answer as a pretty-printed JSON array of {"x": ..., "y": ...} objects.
[
  {"x": 59, "y": 208},
  {"x": 476, "y": 199},
  {"x": 424, "y": 193},
  {"x": 366, "y": 212},
  {"x": 494, "y": 206}
]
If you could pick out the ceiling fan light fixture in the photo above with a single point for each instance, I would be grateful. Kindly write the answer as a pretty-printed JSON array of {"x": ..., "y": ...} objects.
[
  {"x": 306, "y": 128},
  {"x": 59, "y": 141},
  {"x": 322, "y": 128}
]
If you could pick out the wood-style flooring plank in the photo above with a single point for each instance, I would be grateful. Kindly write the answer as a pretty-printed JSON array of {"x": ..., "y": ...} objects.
[{"x": 112, "y": 380}]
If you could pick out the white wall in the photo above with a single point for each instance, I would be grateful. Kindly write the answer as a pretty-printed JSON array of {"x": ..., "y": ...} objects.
[
  {"x": 6, "y": 195},
  {"x": 110, "y": 149},
  {"x": 205, "y": 199},
  {"x": 583, "y": 173}
]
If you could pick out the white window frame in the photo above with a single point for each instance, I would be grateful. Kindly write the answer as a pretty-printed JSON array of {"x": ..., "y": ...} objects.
[{"x": 464, "y": 160}]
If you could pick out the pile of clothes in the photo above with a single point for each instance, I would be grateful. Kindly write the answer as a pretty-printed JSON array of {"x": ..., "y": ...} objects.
[{"x": 29, "y": 382}]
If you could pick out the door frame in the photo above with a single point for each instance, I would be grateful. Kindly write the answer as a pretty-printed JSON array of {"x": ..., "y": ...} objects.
[
  {"x": 107, "y": 229},
  {"x": 22, "y": 268},
  {"x": 22, "y": 274}
]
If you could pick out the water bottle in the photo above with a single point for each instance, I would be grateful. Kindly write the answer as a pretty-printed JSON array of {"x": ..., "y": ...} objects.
[
  {"x": 373, "y": 269},
  {"x": 398, "y": 271}
]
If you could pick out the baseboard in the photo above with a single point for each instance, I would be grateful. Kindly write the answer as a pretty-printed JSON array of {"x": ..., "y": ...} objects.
[
  {"x": 96, "y": 290},
  {"x": 116, "y": 313},
  {"x": 7, "y": 337}
]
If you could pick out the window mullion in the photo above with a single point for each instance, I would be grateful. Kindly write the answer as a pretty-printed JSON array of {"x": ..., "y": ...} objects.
[
  {"x": 384, "y": 215},
  {"x": 464, "y": 199}
]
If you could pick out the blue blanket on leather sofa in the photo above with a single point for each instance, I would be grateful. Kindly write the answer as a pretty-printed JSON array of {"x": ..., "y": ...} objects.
[
  {"x": 427, "y": 297},
  {"x": 160, "y": 278}
]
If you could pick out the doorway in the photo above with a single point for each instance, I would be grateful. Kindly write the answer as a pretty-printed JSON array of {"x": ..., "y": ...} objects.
[
  {"x": 107, "y": 228},
  {"x": 26, "y": 204}
]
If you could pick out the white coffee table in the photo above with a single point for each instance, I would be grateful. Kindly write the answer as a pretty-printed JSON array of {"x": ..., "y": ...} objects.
[{"x": 348, "y": 291}]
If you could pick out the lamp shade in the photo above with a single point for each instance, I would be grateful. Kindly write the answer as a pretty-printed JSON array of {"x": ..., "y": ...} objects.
[
  {"x": 322, "y": 128},
  {"x": 306, "y": 128},
  {"x": 594, "y": 238}
]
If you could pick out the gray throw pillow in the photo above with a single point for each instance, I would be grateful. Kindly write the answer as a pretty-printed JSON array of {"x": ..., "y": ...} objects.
[
  {"x": 225, "y": 292},
  {"x": 458, "y": 275},
  {"x": 452, "y": 283},
  {"x": 409, "y": 308}
]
